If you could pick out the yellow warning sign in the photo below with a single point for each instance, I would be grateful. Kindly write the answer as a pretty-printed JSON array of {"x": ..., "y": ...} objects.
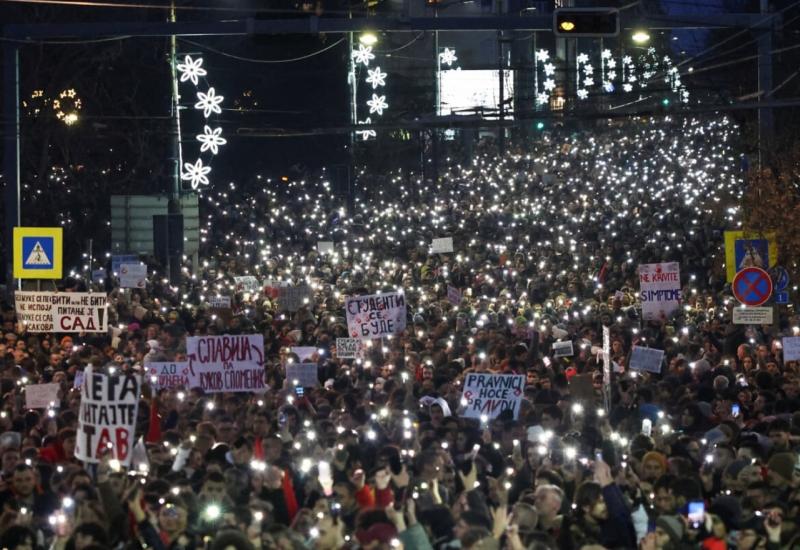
[{"x": 38, "y": 252}]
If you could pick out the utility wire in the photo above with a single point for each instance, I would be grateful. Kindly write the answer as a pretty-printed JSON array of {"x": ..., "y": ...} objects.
[{"x": 268, "y": 61}]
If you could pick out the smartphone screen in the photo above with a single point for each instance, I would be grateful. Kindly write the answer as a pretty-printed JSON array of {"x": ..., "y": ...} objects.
[
  {"x": 697, "y": 512},
  {"x": 298, "y": 390},
  {"x": 735, "y": 410}
]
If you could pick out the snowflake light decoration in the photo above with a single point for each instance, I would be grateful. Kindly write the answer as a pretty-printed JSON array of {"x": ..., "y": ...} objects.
[
  {"x": 448, "y": 57},
  {"x": 376, "y": 78},
  {"x": 377, "y": 104},
  {"x": 196, "y": 173},
  {"x": 211, "y": 140},
  {"x": 544, "y": 83},
  {"x": 209, "y": 103},
  {"x": 583, "y": 76},
  {"x": 363, "y": 55},
  {"x": 191, "y": 69}
]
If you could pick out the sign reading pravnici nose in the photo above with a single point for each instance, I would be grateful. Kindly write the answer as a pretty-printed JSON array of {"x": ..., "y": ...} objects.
[
  {"x": 375, "y": 315},
  {"x": 229, "y": 363},
  {"x": 491, "y": 394}
]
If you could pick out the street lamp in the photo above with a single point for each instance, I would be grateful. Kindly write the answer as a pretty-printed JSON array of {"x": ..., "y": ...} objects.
[
  {"x": 641, "y": 36},
  {"x": 368, "y": 39}
]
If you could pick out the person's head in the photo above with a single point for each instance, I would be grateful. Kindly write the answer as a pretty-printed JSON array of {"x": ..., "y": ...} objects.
[
  {"x": 551, "y": 418},
  {"x": 758, "y": 493},
  {"x": 779, "y": 431},
  {"x": 10, "y": 460},
  {"x": 66, "y": 437},
  {"x": 18, "y": 537},
  {"x": 669, "y": 531},
  {"x": 23, "y": 481},
  {"x": 664, "y": 498},
  {"x": 589, "y": 502},
  {"x": 468, "y": 521},
  {"x": 654, "y": 465},
  {"x": 213, "y": 489},
  {"x": 87, "y": 534},
  {"x": 172, "y": 516},
  {"x": 548, "y": 500}
]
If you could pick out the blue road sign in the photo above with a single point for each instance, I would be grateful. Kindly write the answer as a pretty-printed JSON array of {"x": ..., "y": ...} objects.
[
  {"x": 37, "y": 252},
  {"x": 781, "y": 297},
  {"x": 780, "y": 278}
]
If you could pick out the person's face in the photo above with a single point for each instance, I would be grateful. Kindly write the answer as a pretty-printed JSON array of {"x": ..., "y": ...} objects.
[
  {"x": 662, "y": 538},
  {"x": 549, "y": 423},
  {"x": 779, "y": 439},
  {"x": 10, "y": 461},
  {"x": 242, "y": 455},
  {"x": 427, "y": 373},
  {"x": 227, "y": 432},
  {"x": 747, "y": 363},
  {"x": 214, "y": 490},
  {"x": 599, "y": 510},
  {"x": 665, "y": 501},
  {"x": 747, "y": 540},
  {"x": 260, "y": 426},
  {"x": 758, "y": 497},
  {"x": 172, "y": 519},
  {"x": 24, "y": 483},
  {"x": 437, "y": 415},
  {"x": 544, "y": 383},
  {"x": 652, "y": 470},
  {"x": 548, "y": 503},
  {"x": 460, "y": 529},
  {"x": 69, "y": 447},
  {"x": 272, "y": 451},
  {"x": 531, "y": 378}
]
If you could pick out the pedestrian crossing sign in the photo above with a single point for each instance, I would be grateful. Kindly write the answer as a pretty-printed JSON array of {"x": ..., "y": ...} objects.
[{"x": 38, "y": 252}]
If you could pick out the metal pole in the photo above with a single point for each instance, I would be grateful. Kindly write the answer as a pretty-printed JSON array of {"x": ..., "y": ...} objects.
[
  {"x": 766, "y": 122},
  {"x": 11, "y": 196},
  {"x": 174, "y": 203}
]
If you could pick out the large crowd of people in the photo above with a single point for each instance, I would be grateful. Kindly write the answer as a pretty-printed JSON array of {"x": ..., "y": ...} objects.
[{"x": 547, "y": 241}]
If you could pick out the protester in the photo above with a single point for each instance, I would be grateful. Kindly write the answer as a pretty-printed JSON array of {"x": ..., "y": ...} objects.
[{"x": 375, "y": 451}]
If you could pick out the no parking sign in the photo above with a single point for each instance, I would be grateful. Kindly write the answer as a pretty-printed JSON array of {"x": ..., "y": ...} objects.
[{"x": 752, "y": 286}]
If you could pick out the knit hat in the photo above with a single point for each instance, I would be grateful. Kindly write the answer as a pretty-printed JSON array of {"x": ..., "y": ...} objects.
[
  {"x": 655, "y": 455},
  {"x": 729, "y": 511},
  {"x": 782, "y": 464},
  {"x": 673, "y": 526}
]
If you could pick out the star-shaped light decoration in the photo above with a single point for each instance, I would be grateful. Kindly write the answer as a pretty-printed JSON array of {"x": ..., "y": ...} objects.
[
  {"x": 210, "y": 102},
  {"x": 583, "y": 58},
  {"x": 363, "y": 54},
  {"x": 627, "y": 87},
  {"x": 191, "y": 69},
  {"x": 448, "y": 57},
  {"x": 549, "y": 69},
  {"x": 211, "y": 140},
  {"x": 542, "y": 98},
  {"x": 376, "y": 77},
  {"x": 606, "y": 54},
  {"x": 366, "y": 134},
  {"x": 583, "y": 94},
  {"x": 377, "y": 104},
  {"x": 196, "y": 173},
  {"x": 588, "y": 81},
  {"x": 542, "y": 55},
  {"x": 549, "y": 84},
  {"x": 627, "y": 60}
]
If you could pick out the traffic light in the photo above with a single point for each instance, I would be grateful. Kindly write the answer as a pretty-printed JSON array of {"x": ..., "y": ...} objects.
[{"x": 586, "y": 22}]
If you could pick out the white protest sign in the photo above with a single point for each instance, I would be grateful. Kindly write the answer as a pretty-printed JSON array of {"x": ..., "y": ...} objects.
[
  {"x": 107, "y": 416},
  {"x": 219, "y": 302},
  {"x": 646, "y": 359},
  {"x": 349, "y": 348},
  {"x": 302, "y": 374},
  {"x": 607, "y": 367},
  {"x": 41, "y": 396},
  {"x": 660, "y": 290},
  {"x": 247, "y": 283},
  {"x": 325, "y": 247},
  {"x": 453, "y": 295},
  {"x": 164, "y": 375},
  {"x": 563, "y": 349},
  {"x": 752, "y": 315},
  {"x": 442, "y": 246},
  {"x": 133, "y": 275},
  {"x": 292, "y": 298},
  {"x": 78, "y": 382},
  {"x": 229, "y": 363},
  {"x": 791, "y": 348},
  {"x": 490, "y": 394},
  {"x": 376, "y": 315},
  {"x": 304, "y": 352},
  {"x": 62, "y": 311}
]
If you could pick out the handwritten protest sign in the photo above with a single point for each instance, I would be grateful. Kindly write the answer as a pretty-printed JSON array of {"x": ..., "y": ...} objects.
[
  {"x": 349, "y": 348},
  {"x": 302, "y": 374},
  {"x": 41, "y": 396},
  {"x": 247, "y": 283},
  {"x": 791, "y": 348},
  {"x": 219, "y": 302},
  {"x": 132, "y": 275},
  {"x": 229, "y": 363},
  {"x": 491, "y": 394},
  {"x": 118, "y": 260},
  {"x": 62, "y": 311},
  {"x": 376, "y": 315},
  {"x": 607, "y": 367},
  {"x": 325, "y": 247},
  {"x": 660, "y": 290},
  {"x": 164, "y": 375},
  {"x": 304, "y": 352},
  {"x": 292, "y": 298},
  {"x": 453, "y": 295},
  {"x": 107, "y": 416},
  {"x": 646, "y": 359},
  {"x": 563, "y": 349},
  {"x": 442, "y": 246}
]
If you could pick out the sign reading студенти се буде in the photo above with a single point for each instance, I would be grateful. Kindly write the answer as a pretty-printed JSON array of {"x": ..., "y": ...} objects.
[{"x": 375, "y": 315}]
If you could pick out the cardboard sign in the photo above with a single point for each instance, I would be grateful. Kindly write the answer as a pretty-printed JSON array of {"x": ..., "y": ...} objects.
[
  {"x": 791, "y": 348},
  {"x": 133, "y": 275},
  {"x": 375, "y": 315},
  {"x": 490, "y": 394},
  {"x": 62, "y": 311},
  {"x": 349, "y": 348},
  {"x": 325, "y": 247},
  {"x": 247, "y": 283},
  {"x": 292, "y": 298},
  {"x": 42, "y": 396},
  {"x": 165, "y": 375},
  {"x": 660, "y": 290},
  {"x": 118, "y": 260},
  {"x": 563, "y": 349},
  {"x": 219, "y": 302},
  {"x": 646, "y": 359},
  {"x": 304, "y": 352},
  {"x": 752, "y": 315},
  {"x": 107, "y": 417},
  {"x": 229, "y": 363},
  {"x": 442, "y": 246},
  {"x": 453, "y": 295},
  {"x": 304, "y": 375}
]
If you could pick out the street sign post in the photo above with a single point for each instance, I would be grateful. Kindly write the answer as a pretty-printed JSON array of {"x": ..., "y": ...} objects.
[{"x": 752, "y": 286}]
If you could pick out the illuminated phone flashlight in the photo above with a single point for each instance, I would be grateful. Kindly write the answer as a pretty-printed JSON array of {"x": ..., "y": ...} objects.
[
  {"x": 709, "y": 458},
  {"x": 212, "y": 512},
  {"x": 577, "y": 408},
  {"x": 258, "y": 515},
  {"x": 67, "y": 502}
]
